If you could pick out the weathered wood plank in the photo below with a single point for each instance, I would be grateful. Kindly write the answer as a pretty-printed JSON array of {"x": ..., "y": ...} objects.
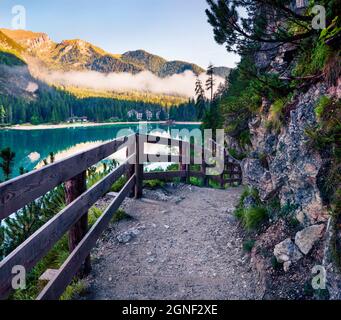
[
  {"x": 57, "y": 286},
  {"x": 232, "y": 180},
  {"x": 150, "y": 139},
  {"x": 184, "y": 165},
  {"x": 18, "y": 192},
  {"x": 179, "y": 174},
  {"x": 196, "y": 174},
  {"x": 158, "y": 158},
  {"x": 39, "y": 244},
  {"x": 74, "y": 188},
  {"x": 164, "y": 175},
  {"x": 139, "y": 168}
]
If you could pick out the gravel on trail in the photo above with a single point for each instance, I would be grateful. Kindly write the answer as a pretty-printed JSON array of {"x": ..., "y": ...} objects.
[{"x": 181, "y": 243}]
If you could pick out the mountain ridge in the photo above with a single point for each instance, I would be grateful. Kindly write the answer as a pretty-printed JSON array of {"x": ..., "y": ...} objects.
[{"x": 79, "y": 55}]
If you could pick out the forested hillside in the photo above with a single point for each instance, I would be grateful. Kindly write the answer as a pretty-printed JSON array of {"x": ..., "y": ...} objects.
[
  {"x": 25, "y": 99},
  {"x": 50, "y": 105}
]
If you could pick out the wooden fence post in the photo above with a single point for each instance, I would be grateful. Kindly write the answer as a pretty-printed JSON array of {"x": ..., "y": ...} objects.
[
  {"x": 130, "y": 171},
  {"x": 222, "y": 176},
  {"x": 139, "y": 167},
  {"x": 240, "y": 182},
  {"x": 74, "y": 188},
  {"x": 203, "y": 170},
  {"x": 183, "y": 165}
]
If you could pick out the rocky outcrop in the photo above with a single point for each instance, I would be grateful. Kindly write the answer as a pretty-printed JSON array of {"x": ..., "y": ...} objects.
[
  {"x": 258, "y": 177},
  {"x": 293, "y": 166},
  {"x": 306, "y": 238}
]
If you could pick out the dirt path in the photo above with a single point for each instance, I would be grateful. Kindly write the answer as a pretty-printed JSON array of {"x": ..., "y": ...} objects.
[{"x": 181, "y": 243}]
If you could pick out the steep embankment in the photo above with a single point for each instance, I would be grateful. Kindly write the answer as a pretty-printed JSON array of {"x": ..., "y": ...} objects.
[{"x": 282, "y": 116}]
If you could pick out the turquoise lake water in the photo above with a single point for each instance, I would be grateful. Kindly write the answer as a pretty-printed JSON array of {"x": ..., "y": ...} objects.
[{"x": 32, "y": 146}]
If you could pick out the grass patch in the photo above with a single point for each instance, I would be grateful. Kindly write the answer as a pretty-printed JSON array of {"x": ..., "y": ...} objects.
[
  {"x": 322, "y": 106},
  {"x": 119, "y": 216},
  {"x": 53, "y": 260},
  {"x": 275, "y": 118},
  {"x": 312, "y": 61},
  {"x": 77, "y": 288},
  {"x": 248, "y": 191},
  {"x": 252, "y": 218},
  {"x": 119, "y": 184},
  {"x": 237, "y": 155},
  {"x": 94, "y": 214},
  {"x": 154, "y": 184}
]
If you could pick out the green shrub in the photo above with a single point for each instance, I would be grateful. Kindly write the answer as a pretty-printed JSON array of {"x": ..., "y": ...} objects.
[
  {"x": 312, "y": 60},
  {"x": 276, "y": 115},
  {"x": 248, "y": 245},
  {"x": 94, "y": 214},
  {"x": 254, "y": 217},
  {"x": 322, "y": 105},
  {"x": 239, "y": 213},
  {"x": 53, "y": 260},
  {"x": 248, "y": 191},
  {"x": 154, "y": 184},
  {"x": 275, "y": 264},
  {"x": 120, "y": 215},
  {"x": 77, "y": 288},
  {"x": 119, "y": 184},
  {"x": 237, "y": 155},
  {"x": 195, "y": 181}
]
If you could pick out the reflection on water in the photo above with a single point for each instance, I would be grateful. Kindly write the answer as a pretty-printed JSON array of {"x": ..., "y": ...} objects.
[{"x": 33, "y": 146}]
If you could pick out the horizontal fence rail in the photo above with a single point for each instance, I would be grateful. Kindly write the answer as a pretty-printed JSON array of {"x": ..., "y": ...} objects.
[
  {"x": 17, "y": 193},
  {"x": 38, "y": 245},
  {"x": 68, "y": 270}
]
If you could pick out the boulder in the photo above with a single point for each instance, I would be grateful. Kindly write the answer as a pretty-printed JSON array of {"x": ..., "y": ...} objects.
[
  {"x": 306, "y": 239},
  {"x": 287, "y": 251}
]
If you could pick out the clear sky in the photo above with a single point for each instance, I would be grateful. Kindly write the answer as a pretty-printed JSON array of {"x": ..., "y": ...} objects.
[{"x": 173, "y": 29}]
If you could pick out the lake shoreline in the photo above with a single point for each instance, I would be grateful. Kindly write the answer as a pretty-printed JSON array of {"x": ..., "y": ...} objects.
[{"x": 27, "y": 127}]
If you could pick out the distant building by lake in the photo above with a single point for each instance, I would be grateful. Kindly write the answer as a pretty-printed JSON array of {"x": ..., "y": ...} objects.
[{"x": 77, "y": 120}]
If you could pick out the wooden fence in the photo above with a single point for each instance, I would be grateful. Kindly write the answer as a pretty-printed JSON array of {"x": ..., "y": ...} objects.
[{"x": 73, "y": 219}]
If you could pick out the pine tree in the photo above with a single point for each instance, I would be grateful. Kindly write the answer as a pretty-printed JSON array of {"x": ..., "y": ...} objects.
[
  {"x": 29, "y": 219},
  {"x": 2, "y": 114},
  {"x": 210, "y": 82},
  {"x": 213, "y": 119},
  {"x": 243, "y": 34},
  {"x": 7, "y": 157},
  {"x": 201, "y": 101}
]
